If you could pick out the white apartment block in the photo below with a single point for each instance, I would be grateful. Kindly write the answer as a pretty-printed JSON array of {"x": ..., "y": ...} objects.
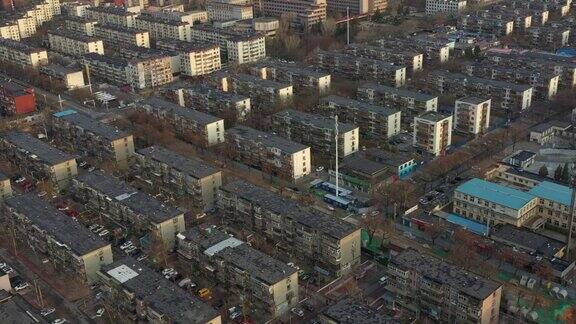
[
  {"x": 22, "y": 54},
  {"x": 71, "y": 78},
  {"x": 238, "y": 47},
  {"x": 356, "y": 7},
  {"x": 75, "y": 8},
  {"x": 195, "y": 59},
  {"x": 161, "y": 27},
  {"x": 26, "y": 26},
  {"x": 112, "y": 16},
  {"x": 453, "y": 7},
  {"x": 44, "y": 11},
  {"x": 118, "y": 36},
  {"x": 223, "y": 10},
  {"x": 80, "y": 24},
  {"x": 432, "y": 132},
  {"x": 10, "y": 30},
  {"x": 302, "y": 14},
  {"x": 74, "y": 43},
  {"x": 472, "y": 115}
]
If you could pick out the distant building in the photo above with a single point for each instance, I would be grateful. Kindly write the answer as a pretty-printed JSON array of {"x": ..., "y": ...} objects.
[
  {"x": 521, "y": 159},
  {"x": 119, "y": 36},
  {"x": 235, "y": 46},
  {"x": 71, "y": 78},
  {"x": 81, "y": 24},
  {"x": 402, "y": 98},
  {"x": 18, "y": 53},
  {"x": 301, "y": 78},
  {"x": 452, "y": 7},
  {"x": 472, "y": 115},
  {"x": 411, "y": 58},
  {"x": 222, "y": 10},
  {"x": 302, "y": 14},
  {"x": 162, "y": 27},
  {"x": 112, "y": 15},
  {"x": 348, "y": 310},
  {"x": 16, "y": 99},
  {"x": 5, "y": 188},
  {"x": 356, "y": 7},
  {"x": 74, "y": 43},
  {"x": 195, "y": 58},
  {"x": 433, "y": 132},
  {"x": 263, "y": 93}
]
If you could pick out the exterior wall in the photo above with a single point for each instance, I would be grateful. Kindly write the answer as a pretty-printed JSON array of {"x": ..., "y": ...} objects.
[
  {"x": 33, "y": 59},
  {"x": 86, "y": 27},
  {"x": 444, "y": 6},
  {"x": 356, "y": 7},
  {"x": 301, "y": 164},
  {"x": 349, "y": 253},
  {"x": 201, "y": 62},
  {"x": 490, "y": 309},
  {"x": 123, "y": 151},
  {"x": 119, "y": 38},
  {"x": 75, "y": 80},
  {"x": 62, "y": 173},
  {"x": 168, "y": 230},
  {"x": 472, "y": 118},
  {"x": 215, "y": 133},
  {"x": 222, "y": 11},
  {"x": 10, "y": 31},
  {"x": 94, "y": 260},
  {"x": 433, "y": 136},
  {"x": 73, "y": 46},
  {"x": 246, "y": 51},
  {"x": 5, "y": 190}
]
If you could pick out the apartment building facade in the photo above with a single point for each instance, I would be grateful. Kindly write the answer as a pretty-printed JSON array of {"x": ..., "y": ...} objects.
[
  {"x": 81, "y": 24},
  {"x": 119, "y": 36},
  {"x": 139, "y": 293},
  {"x": 270, "y": 284},
  {"x": 548, "y": 37},
  {"x": 179, "y": 175},
  {"x": 39, "y": 160},
  {"x": 16, "y": 99},
  {"x": 139, "y": 212},
  {"x": 300, "y": 78},
  {"x": 224, "y": 10},
  {"x": 487, "y": 25},
  {"x": 402, "y": 98},
  {"x": 9, "y": 29},
  {"x": 318, "y": 132},
  {"x": 74, "y": 43},
  {"x": 112, "y": 15},
  {"x": 451, "y": 7},
  {"x": 432, "y": 288},
  {"x": 270, "y": 153},
  {"x": 332, "y": 244},
  {"x": 375, "y": 122},
  {"x": 432, "y": 132},
  {"x": 235, "y": 46},
  {"x": 212, "y": 100},
  {"x": 70, "y": 247},
  {"x": 412, "y": 59},
  {"x": 22, "y": 54},
  {"x": 356, "y": 7},
  {"x": 434, "y": 50},
  {"x": 94, "y": 138},
  {"x": 261, "y": 92},
  {"x": 472, "y": 115},
  {"x": 195, "y": 58},
  {"x": 302, "y": 14},
  {"x": 160, "y": 27}
]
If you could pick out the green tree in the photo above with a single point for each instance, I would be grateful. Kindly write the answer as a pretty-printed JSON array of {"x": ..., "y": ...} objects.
[
  {"x": 543, "y": 171},
  {"x": 566, "y": 173},
  {"x": 558, "y": 173}
]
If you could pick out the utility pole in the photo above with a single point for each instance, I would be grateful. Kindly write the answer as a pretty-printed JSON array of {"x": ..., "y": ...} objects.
[
  {"x": 60, "y": 101},
  {"x": 347, "y": 25},
  {"x": 88, "y": 76},
  {"x": 571, "y": 219},
  {"x": 336, "y": 162}
]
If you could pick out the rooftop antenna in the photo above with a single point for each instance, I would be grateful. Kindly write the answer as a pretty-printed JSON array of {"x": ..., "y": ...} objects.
[{"x": 336, "y": 140}]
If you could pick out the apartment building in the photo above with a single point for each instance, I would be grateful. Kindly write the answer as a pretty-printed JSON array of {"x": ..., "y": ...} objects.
[
  {"x": 303, "y": 14},
  {"x": 212, "y": 100},
  {"x": 301, "y": 78},
  {"x": 432, "y": 132},
  {"x": 359, "y": 67},
  {"x": 112, "y": 15},
  {"x": 262, "y": 93},
  {"x": 505, "y": 95},
  {"x": 192, "y": 125},
  {"x": 93, "y": 138},
  {"x": 9, "y": 29},
  {"x": 39, "y": 160},
  {"x": 356, "y": 7},
  {"x": 162, "y": 27},
  {"x": 74, "y": 43},
  {"x": 26, "y": 25},
  {"x": 472, "y": 115},
  {"x": 270, "y": 153},
  {"x": 451, "y": 7},
  {"x": 81, "y": 24},
  {"x": 550, "y": 37},
  {"x": 75, "y": 8},
  {"x": 5, "y": 187},
  {"x": 487, "y": 25},
  {"x": 224, "y": 10},
  {"x": 347, "y": 310},
  {"x": 331, "y": 243},
  {"x": 16, "y": 99},
  {"x": 544, "y": 82},
  {"x": 140, "y": 213},
  {"x": 179, "y": 175},
  {"x": 70, "y": 247},
  {"x": 432, "y": 288},
  {"x": 375, "y": 122},
  {"x": 413, "y": 60},
  {"x": 235, "y": 46},
  {"x": 398, "y": 97},
  {"x": 435, "y": 50},
  {"x": 139, "y": 293},
  {"x": 316, "y": 131},
  {"x": 119, "y": 36},
  {"x": 22, "y": 54},
  {"x": 271, "y": 285},
  {"x": 195, "y": 58}
]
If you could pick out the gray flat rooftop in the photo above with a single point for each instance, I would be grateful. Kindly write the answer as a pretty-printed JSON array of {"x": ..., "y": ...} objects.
[
  {"x": 58, "y": 70},
  {"x": 72, "y": 34},
  {"x": 182, "y": 46},
  {"x": 214, "y": 93},
  {"x": 122, "y": 29},
  {"x": 473, "y": 100},
  {"x": 360, "y": 105},
  {"x": 365, "y": 166},
  {"x": 244, "y": 133},
  {"x": 388, "y": 66},
  {"x": 92, "y": 125},
  {"x": 161, "y": 20},
  {"x": 19, "y": 46},
  {"x": 139, "y": 202},
  {"x": 432, "y": 116},
  {"x": 292, "y": 68},
  {"x": 115, "y": 10},
  {"x": 37, "y": 149},
  {"x": 389, "y": 158},
  {"x": 57, "y": 224},
  {"x": 379, "y": 88},
  {"x": 445, "y": 273},
  {"x": 159, "y": 293},
  {"x": 188, "y": 165},
  {"x": 320, "y": 222},
  {"x": 106, "y": 59},
  {"x": 540, "y": 244},
  {"x": 261, "y": 82},
  {"x": 14, "y": 309},
  {"x": 313, "y": 120},
  {"x": 348, "y": 310},
  {"x": 186, "y": 113},
  {"x": 459, "y": 78}
]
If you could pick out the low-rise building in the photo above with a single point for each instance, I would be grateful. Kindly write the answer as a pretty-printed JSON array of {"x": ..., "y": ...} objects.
[
  {"x": 119, "y": 36},
  {"x": 112, "y": 15},
  {"x": 224, "y": 10},
  {"x": 547, "y": 132},
  {"x": 261, "y": 92},
  {"x": 451, "y": 7},
  {"x": 425, "y": 285},
  {"x": 192, "y": 125},
  {"x": 141, "y": 294},
  {"x": 361, "y": 67},
  {"x": 74, "y": 43},
  {"x": 331, "y": 243},
  {"x": 398, "y": 97},
  {"x": 301, "y": 14},
  {"x": 39, "y": 160},
  {"x": 18, "y": 53},
  {"x": 162, "y": 27},
  {"x": 140, "y": 213},
  {"x": 301, "y": 78},
  {"x": 195, "y": 58},
  {"x": 71, "y": 78},
  {"x": 375, "y": 122},
  {"x": 270, "y": 153},
  {"x": 94, "y": 138},
  {"x": 235, "y": 46},
  {"x": 528, "y": 241},
  {"x": 432, "y": 132},
  {"x": 271, "y": 285},
  {"x": 81, "y": 24},
  {"x": 5, "y": 187},
  {"x": 316, "y": 131},
  {"x": 16, "y": 99},
  {"x": 69, "y": 246},
  {"x": 179, "y": 175},
  {"x": 520, "y": 159},
  {"x": 410, "y": 58},
  {"x": 402, "y": 163},
  {"x": 472, "y": 115}
]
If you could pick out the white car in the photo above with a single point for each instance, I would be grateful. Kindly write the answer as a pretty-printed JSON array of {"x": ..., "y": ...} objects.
[
  {"x": 99, "y": 312},
  {"x": 126, "y": 245},
  {"x": 235, "y": 315},
  {"x": 103, "y": 233},
  {"x": 320, "y": 169},
  {"x": 297, "y": 311},
  {"x": 47, "y": 311},
  {"x": 21, "y": 179},
  {"x": 130, "y": 249},
  {"x": 59, "y": 321},
  {"x": 171, "y": 275},
  {"x": 167, "y": 271},
  {"x": 22, "y": 286}
]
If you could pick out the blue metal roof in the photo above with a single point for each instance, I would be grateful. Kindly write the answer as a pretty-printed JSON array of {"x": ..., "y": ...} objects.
[
  {"x": 64, "y": 113},
  {"x": 472, "y": 226},
  {"x": 496, "y": 193},
  {"x": 553, "y": 191}
]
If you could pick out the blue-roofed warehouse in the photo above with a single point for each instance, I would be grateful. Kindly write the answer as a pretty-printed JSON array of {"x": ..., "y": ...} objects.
[{"x": 496, "y": 193}]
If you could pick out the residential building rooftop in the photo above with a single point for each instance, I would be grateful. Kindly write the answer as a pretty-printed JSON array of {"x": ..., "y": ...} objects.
[
  {"x": 115, "y": 10},
  {"x": 314, "y": 120},
  {"x": 193, "y": 46},
  {"x": 161, "y": 20},
  {"x": 262, "y": 82},
  {"x": 348, "y": 310},
  {"x": 121, "y": 29},
  {"x": 90, "y": 124},
  {"x": 365, "y": 166},
  {"x": 473, "y": 100},
  {"x": 58, "y": 70},
  {"x": 497, "y": 193},
  {"x": 398, "y": 91},
  {"x": 389, "y": 158},
  {"x": 188, "y": 165},
  {"x": 72, "y": 34},
  {"x": 37, "y": 149},
  {"x": 187, "y": 113},
  {"x": 538, "y": 243},
  {"x": 458, "y": 77},
  {"x": 14, "y": 309},
  {"x": 552, "y": 191},
  {"x": 269, "y": 140},
  {"x": 432, "y": 116},
  {"x": 20, "y": 46},
  {"x": 380, "y": 110},
  {"x": 58, "y": 225}
]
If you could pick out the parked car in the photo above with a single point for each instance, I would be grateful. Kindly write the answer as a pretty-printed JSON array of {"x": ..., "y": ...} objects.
[
  {"x": 104, "y": 233},
  {"x": 126, "y": 245},
  {"x": 47, "y": 311},
  {"x": 167, "y": 271},
  {"x": 59, "y": 321},
  {"x": 205, "y": 293},
  {"x": 21, "y": 286},
  {"x": 142, "y": 257},
  {"x": 297, "y": 311},
  {"x": 99, "y": 312}
]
